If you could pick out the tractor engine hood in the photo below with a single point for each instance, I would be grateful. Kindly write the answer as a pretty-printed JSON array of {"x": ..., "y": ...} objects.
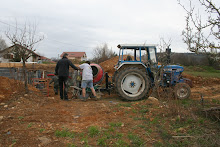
[{"x": 170, "y": 68}]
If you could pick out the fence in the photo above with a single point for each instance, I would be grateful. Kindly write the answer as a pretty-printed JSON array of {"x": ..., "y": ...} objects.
[{"x": 17, "y": 73}]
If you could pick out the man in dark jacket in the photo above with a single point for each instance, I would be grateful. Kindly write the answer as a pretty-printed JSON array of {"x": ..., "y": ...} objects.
[{"x": 62, "y": 70}]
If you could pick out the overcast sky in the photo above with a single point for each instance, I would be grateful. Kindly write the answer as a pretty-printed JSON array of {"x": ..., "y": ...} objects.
[{"x": 81, "y": 25}]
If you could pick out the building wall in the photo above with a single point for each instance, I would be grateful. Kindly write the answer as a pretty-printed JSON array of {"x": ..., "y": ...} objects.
[{"x": 3, "y": 60}]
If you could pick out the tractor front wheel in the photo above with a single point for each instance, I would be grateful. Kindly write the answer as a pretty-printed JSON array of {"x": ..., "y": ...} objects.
[
  {"x": 132, "y": 84},
  {"x": 182, "y": 91}
]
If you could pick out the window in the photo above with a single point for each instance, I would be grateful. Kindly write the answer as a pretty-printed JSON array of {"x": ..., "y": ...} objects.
[
  {"x": 152, "y": 54},
  {"x": 8, "y": 56}
]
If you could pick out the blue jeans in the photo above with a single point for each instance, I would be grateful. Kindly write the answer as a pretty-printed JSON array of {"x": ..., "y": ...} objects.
[{"x": 87, "y": 83}]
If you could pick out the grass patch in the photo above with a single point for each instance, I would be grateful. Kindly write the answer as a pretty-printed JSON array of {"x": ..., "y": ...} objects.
[
  {"x": 216, "y": 101},
  {"x": 41, "y": 130},
  {"x": 118, "y": 124},
  {"x": 65, "y": 133},
  {"x": 126, "y": 104},
  {"x": 85, "y": 141},
  {"x": 30, "y": 125},
  {"x": 120, "y": 143},
  {"x": 203, "y": 74},
  {"x": 102, "y": 141},
  {"x": 203, "y": 71},
  {"x": 93, "y": 131},
  {"x": 71, "y": 145},
  {"x": 20, "y": 117},
  {"x": 135, "y": 140}
]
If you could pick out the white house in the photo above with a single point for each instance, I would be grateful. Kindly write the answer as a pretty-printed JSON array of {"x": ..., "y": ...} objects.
[{"x": 9, "y": 55}]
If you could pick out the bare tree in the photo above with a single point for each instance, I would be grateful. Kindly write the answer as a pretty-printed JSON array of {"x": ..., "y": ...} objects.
[
  {"x": 102, "y": 53},
  {"x": 202, "y": 35},
  {"x": 24, "y": 39},
  {"x": 3, "y": 44},
  {"x": 164, "y": 59}
]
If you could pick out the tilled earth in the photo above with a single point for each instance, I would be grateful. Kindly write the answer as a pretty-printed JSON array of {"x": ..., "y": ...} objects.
[{"x": 33, "y": 119}]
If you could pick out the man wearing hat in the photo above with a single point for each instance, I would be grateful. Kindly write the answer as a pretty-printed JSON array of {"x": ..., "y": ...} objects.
[{"x": 62, "y": 70}]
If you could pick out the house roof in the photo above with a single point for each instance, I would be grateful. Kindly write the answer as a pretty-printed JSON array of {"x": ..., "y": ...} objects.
[
  {"x": 2, "y": 51},
  {"x": 74, "y": 54},
  {"x": 41, "y": 57}
]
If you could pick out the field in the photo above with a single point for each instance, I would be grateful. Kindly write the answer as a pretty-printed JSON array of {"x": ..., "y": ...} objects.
[
  {"x": 36, "y": 120},
  {"x": 203, "y": 71}
]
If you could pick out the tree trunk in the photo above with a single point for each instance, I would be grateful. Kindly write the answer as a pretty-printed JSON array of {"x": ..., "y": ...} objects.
[{"x": 25, "y": 77}]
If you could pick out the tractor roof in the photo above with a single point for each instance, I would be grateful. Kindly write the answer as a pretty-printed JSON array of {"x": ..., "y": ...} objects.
[{"x": 133, "y": 46}]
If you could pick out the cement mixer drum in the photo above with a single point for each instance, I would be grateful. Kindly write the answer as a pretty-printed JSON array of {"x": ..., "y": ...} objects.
[{"x": 98, "y": 73}]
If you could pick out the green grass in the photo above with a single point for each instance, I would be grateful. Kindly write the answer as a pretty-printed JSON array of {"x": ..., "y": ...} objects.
[
  {"x": 203, "y": 71},
  {"x": 71, "y": 145},
  {"x": 126, "y": 104},
  {"x": 118, "y": 124},
  {"x": 85, "y": 141},
  {"x": 65, "y": 133},
  {"x": 203, "y": 74},
  {"x": 41, "y": 130},
  {"x": 166, "y": 126},
  {"x": 216, "y": 101},
  {"x": 93, "y": 131},
  {"x": 30, "y": 125},
  {"x": 102, "y": 141},
  {"x": 120, "y": 143},
  {"x": 20, "y": 117},
  {"x": 135, "y": 140}
]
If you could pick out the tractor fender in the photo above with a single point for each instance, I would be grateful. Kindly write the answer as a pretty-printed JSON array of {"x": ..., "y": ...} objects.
[
  {"x": 188, "y": 81},
  {"x": 132, "y": 64}
]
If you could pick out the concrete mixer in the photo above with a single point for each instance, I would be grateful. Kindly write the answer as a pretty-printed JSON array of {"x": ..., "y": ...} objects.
[{"x": 98, "y": 73}]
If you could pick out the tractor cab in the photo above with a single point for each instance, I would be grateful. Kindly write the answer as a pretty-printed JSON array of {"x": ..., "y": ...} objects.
[{"x": 136, "y": 54}]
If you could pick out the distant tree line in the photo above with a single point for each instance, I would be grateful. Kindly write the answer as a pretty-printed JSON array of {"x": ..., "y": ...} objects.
[{"x": 192, "y": 59}]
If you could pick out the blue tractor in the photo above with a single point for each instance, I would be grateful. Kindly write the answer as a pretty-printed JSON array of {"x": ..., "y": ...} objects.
[{"x": 136, "y": 69}]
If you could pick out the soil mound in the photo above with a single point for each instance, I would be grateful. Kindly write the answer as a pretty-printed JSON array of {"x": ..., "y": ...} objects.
[
  {"x": 11, "y": 86},
  {"x": 108, "y": 65},
  {"x": 201, "y": 81}
]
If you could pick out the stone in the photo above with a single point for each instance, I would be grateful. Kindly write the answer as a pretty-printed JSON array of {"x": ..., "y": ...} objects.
[
  {"x": 153, "y": 99},
  {"x": 44, "y": 140},
  {"x": 2, "y": 96},
  {"x": 76, "y": 117}
]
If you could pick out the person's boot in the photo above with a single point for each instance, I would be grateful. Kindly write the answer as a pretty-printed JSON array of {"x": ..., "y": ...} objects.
[
  {"x": 66, "y": 98},
  {"x": 95, "y": 98}
]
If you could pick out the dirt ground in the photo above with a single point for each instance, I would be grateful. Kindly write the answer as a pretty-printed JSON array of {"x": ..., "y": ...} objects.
[{"x": 32, "y": 119}]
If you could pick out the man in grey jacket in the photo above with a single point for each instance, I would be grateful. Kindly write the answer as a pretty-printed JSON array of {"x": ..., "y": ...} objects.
[{"x": 62, "y": 70}]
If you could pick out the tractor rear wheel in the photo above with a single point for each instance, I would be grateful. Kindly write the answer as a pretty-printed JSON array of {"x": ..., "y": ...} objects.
[
  {"x": 132, "y": 84},
  {"x": 182, "y": 91}
]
